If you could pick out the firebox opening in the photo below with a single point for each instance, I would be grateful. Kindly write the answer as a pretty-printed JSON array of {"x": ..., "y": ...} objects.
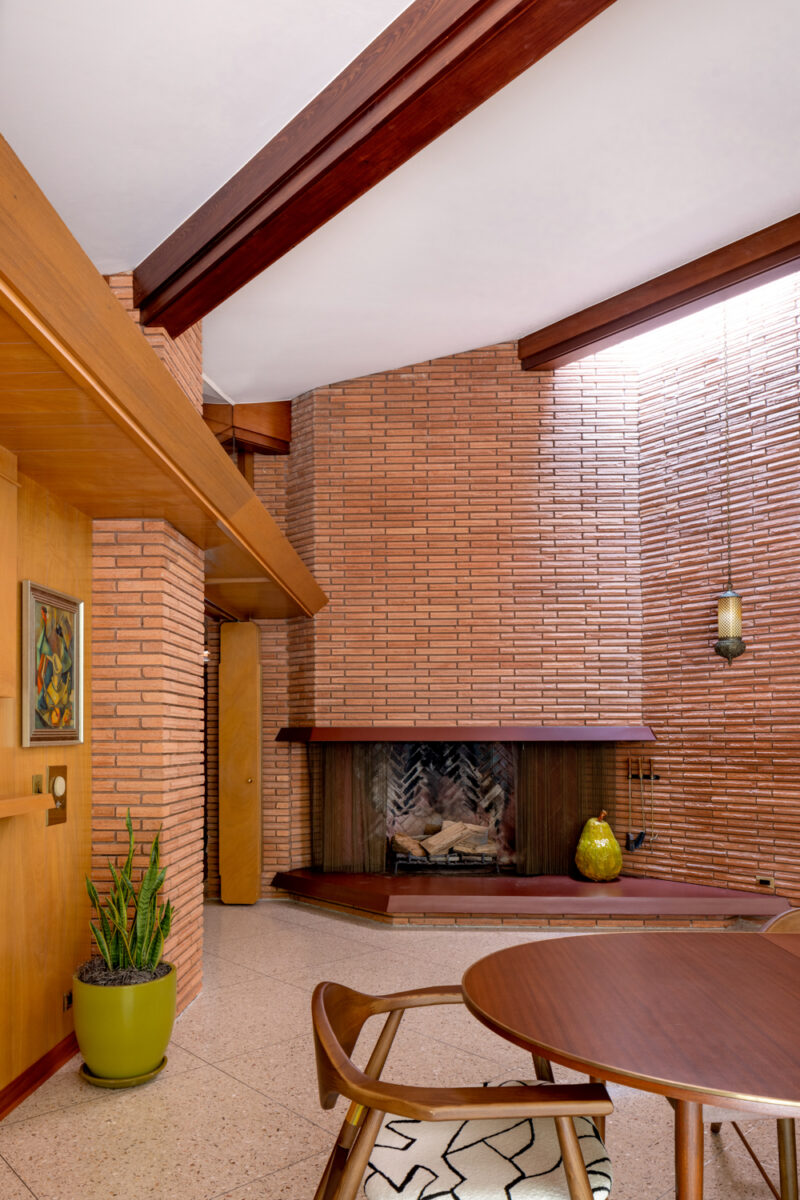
[{"x": 518, "y": 807}]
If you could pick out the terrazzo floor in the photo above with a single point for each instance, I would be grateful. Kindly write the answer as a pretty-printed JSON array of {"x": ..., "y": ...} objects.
[{"x": 235, "y": 1116}]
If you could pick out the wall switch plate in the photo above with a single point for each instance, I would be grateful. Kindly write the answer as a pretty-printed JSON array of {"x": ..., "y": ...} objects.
[
  {"x": 66, "y": 1001},
  {"x": 57, "y": 787},
  {"x": 765, "y": 881}
]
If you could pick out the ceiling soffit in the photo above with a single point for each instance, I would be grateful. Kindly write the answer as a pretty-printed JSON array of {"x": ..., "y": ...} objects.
[{"x": 94, "y": 415}]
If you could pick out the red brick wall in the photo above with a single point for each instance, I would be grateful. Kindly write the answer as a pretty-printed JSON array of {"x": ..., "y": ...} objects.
[
  {"x": 476, "y": 529},
  {"x": 182, "y": 356},
  {"x": 728, "y": 753},
  {"x": 147, "y": 712}
]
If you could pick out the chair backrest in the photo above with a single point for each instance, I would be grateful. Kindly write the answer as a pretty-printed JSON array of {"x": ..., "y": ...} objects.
[
  {"x": 339, "y": 1014},
  {"x": 785, "y": 922}
]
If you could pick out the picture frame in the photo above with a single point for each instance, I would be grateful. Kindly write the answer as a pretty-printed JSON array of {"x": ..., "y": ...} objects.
[{"x": 52, "y": 667}]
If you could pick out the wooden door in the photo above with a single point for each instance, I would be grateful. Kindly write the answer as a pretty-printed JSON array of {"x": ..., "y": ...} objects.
[{"x": 240, "y": 837}]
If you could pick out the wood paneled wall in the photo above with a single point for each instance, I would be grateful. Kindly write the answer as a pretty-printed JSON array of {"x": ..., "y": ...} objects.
[{"x": 44, "y": 925}]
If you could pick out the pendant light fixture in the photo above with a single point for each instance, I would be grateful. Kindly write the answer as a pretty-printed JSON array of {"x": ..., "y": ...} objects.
[{"x": 729, "y": 603}]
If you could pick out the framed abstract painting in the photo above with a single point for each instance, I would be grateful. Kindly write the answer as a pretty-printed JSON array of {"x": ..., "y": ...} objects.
[{"x": 52, "y": 667}]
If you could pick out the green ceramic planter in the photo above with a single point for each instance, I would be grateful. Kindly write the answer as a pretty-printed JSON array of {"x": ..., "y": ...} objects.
[{"x": 123, "y": 1032}]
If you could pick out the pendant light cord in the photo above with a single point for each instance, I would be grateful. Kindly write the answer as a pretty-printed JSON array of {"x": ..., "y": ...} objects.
[{"x": 727, "y": 443}]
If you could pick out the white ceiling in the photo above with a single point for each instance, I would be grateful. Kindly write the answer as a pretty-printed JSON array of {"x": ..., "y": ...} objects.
[{"x": 660, "y": 131}]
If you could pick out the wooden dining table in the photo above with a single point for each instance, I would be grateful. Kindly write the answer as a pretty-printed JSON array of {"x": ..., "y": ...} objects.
[{"x": 699, "y": 1016}]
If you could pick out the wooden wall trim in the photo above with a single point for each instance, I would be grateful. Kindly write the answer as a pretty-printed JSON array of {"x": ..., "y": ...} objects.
[
  {"x": 35, "y": 1075},
  {"x": 50, "y": 287},
  {"x": 437, "y": 62},
  {"x": 725, "y": 272}
]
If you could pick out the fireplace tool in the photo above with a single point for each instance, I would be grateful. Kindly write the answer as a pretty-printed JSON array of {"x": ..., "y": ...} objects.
[
  {"x": 653, "y": 834},
  {"x": 633, "y": 841}
]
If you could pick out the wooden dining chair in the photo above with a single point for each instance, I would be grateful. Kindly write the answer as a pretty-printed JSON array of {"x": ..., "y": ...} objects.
[
  {"x": 402, "y": 1140},
  {"x": 785, "y": 922}
]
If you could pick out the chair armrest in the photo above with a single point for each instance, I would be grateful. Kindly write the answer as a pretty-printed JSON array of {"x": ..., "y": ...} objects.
[
  {"x": 419, "y": 998},
  {"x": 477, "y": 1103}
]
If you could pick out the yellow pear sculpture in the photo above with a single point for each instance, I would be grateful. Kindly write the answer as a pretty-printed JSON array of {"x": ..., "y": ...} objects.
[{"x": 598, "y": 856}]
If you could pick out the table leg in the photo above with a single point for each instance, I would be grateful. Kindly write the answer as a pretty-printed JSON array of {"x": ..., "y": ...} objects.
[
  {"x": 600, "y": 1120},
  {"x": 688, "y": 1150},
  {"x": 787, "y": 1158}
]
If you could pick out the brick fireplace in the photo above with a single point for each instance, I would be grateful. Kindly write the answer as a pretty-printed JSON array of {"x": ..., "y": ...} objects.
[
  {"x": 513, "y": 547},
  {"x": 530, "y": 789}
]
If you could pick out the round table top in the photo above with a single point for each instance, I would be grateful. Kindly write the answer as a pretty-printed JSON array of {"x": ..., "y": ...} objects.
[{"x": 709, "y": 1016}]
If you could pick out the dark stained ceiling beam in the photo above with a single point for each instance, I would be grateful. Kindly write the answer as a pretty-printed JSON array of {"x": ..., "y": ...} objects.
[
  {"x": 437, "y": 62},
  {"x": 258, "y": 428},
  {"x": 735, "y": 268}
]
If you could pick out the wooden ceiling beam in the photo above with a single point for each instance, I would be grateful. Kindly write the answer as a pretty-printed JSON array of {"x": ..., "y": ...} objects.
[
  {"x": 259, "y": 428},
  {"x": 437, "y": 62},
  {"x": 732, "y": 269}
]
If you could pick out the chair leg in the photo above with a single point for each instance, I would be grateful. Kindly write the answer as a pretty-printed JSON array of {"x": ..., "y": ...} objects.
[
  {"x": 328, "y": 1186},
  {"x": 544, "y": 1071},
  {"x": 542, "y": 1068},
  {"x": 738, "y": 1131},
  {"x": 787, "y": 1158},
  {"x": 715, "y": 1126},
  {"x": 359, "y": 1157},
  {"x": 337, "y": 1161},
  {"x": 574, "y": 1166}
]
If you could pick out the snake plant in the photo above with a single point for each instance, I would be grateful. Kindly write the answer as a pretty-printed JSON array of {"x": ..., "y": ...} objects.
[{"x": 132, "y": 924}]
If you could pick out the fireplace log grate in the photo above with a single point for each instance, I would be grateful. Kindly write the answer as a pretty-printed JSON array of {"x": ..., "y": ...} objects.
[{"x": 443, "y": 862}]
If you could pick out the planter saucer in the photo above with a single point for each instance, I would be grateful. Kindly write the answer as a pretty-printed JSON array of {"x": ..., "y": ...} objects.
[{"x": 100, "y": 1081}]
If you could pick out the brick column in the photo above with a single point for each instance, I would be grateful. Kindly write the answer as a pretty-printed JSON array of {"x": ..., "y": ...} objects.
[
  {"x": 147, "y": 710},
  {"x": 182, "y": 356}
]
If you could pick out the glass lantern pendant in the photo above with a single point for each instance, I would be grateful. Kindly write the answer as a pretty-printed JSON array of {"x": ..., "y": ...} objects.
[{"x": 729, "y": 625}]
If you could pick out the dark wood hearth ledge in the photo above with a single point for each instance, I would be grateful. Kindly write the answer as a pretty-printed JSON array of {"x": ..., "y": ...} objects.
[
  {"x": 465, "y": 733},
  {"x": 509, "y": 896}
]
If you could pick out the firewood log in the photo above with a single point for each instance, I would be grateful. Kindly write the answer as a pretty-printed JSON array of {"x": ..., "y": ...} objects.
[
  {"x": 441, "y": 842},
  {"x": 403, "y": 844},
  {"x": 488, "y": 849}
]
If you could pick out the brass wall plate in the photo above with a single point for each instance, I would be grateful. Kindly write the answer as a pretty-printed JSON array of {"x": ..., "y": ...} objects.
[{"x": 57, "y": 815}]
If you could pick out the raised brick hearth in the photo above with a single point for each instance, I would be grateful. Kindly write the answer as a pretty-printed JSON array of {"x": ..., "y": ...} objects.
[{"x": 542, "y": 900}]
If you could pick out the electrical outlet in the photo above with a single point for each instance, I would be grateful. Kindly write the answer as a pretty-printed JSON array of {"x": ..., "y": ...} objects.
[
  {"x": 765, "y": 881},
  {"x": 66, "y": 1001}
]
